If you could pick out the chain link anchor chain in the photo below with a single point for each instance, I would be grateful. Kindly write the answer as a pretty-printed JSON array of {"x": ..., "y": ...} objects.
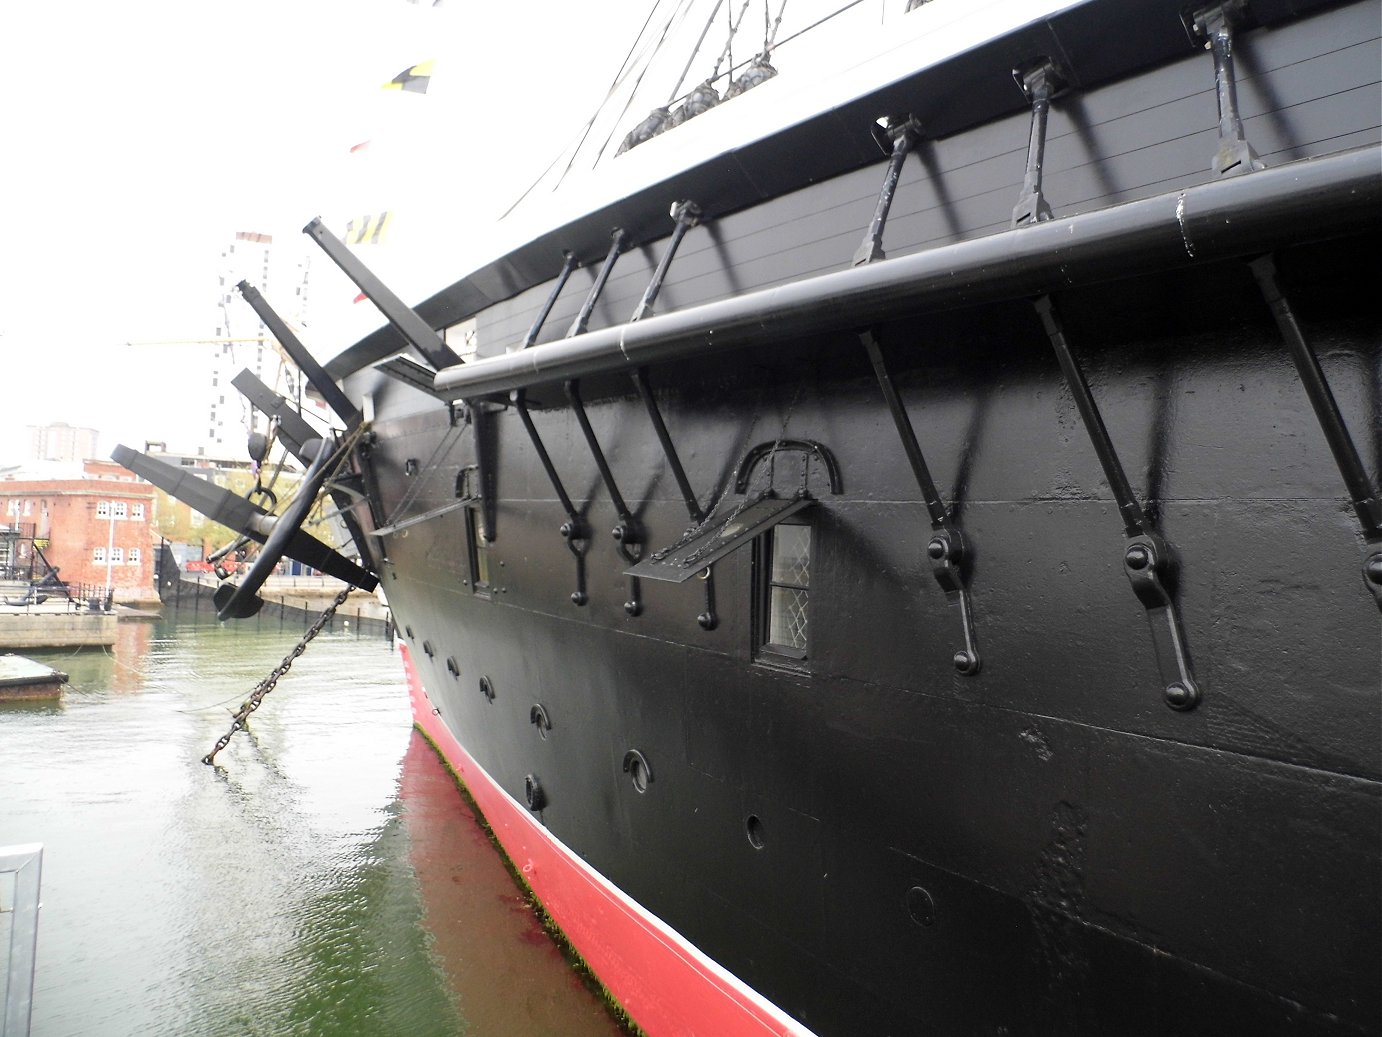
[{"x": 241, "y": 717}]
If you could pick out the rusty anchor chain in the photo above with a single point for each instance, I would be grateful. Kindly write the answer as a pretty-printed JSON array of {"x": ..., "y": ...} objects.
[{"x": 241, "y": 716}]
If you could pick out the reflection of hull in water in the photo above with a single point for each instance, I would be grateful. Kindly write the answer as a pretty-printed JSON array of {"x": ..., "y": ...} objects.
[
  {"x": 1035, "y": 684},
  {"x": 656, "y": 975},
  {"x": 507, "y": 974}
]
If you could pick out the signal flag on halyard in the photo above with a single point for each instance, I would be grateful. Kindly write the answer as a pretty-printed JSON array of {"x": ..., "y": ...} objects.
[
  {"x": 249, "y": 235},
  {"x": 368, "y": 230},
  {"x": 413, "y": 79}
]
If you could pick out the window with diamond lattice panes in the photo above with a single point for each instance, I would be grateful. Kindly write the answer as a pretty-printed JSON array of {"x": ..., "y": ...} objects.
[{"x": 787, "y": 558}]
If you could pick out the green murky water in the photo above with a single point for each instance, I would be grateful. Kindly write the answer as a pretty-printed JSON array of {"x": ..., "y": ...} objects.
[{"x": 325, "y": 879}]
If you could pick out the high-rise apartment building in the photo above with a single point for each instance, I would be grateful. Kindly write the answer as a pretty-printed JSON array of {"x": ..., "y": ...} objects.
[
  {"x": 61, "y": 442},
  {"x": 243, "y": 342}
]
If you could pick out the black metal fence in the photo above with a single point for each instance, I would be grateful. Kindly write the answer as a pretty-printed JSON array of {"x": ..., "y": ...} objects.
[
  {"x": 92, "y": 597},
  {"x": 286, "y": 611}
]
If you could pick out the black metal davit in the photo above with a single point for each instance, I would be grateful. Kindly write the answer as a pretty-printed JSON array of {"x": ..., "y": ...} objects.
[
  {"x": 307, "y": 363},
  {"x": 413, "y": 328}
]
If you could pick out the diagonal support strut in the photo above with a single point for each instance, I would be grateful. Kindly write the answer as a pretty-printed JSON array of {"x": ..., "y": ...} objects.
[{"x": 1148, "y": 560}]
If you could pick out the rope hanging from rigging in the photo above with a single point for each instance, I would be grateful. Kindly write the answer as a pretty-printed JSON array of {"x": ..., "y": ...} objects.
[{"x": 705, "y": 96}]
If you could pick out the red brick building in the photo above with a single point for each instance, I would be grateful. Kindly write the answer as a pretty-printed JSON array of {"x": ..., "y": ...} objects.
[{"x": 94, "y": 521}]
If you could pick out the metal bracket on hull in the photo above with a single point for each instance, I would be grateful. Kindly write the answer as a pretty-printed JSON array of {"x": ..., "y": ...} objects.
[
  {"x": 1213, "y": 27},
  {"x": 369, "y": 484},
  {"x": 686, "y": 214},
  {"x": 1040, "y": 81},
  {"x": 416, "y": 376},
  {"x": 582, "y": 320},
  {"x": 948, "y": 549},
  {"x": 482, "y": 416},
  {"x": 808, "y": 448},
  {"x": 627, "y": 534},
  {"x": 1147, "y": 560},
  {"x": 708, "y": 618},
  {"x": 1367, "y": 501},
  {"x": 567, "y": 266},
  {"x": 897, "y": 137},
  {"x": 574, "y": 530}
]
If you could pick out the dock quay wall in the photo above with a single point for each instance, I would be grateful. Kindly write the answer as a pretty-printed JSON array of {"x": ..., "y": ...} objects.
[
  {"x": 52, "y": 629},
  {"x": 292, "y": 601}
]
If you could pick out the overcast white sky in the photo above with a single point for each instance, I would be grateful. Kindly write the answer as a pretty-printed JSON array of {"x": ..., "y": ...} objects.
[{"x": 140, "y": 136}]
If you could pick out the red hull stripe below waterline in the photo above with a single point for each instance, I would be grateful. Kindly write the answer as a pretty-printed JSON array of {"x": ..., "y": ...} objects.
[{"x": 669, "y": 987}]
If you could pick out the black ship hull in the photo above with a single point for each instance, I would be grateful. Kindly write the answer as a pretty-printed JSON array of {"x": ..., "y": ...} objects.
[
  {"x": 1032, "y": 680},
  {"x": 1089, "y": 860}
]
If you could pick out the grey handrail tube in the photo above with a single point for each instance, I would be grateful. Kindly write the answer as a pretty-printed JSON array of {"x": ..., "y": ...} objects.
[{"x": 1312, "y": 199}]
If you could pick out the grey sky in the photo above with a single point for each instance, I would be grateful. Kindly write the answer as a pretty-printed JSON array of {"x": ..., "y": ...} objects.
[{"x": 139, "y": 137}]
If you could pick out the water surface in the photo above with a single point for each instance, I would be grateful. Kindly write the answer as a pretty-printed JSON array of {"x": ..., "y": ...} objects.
[{"x": 325, "y": 878}]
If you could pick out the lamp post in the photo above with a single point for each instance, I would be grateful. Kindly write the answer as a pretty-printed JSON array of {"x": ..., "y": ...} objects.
[{"x": 110, "y": 550}]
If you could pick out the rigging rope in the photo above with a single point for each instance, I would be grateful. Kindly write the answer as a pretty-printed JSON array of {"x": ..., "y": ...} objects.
[
  {"x": 680, "y": 12},
  {"x": 614, "y": 85},
  {"x": 768, "y": 38},
  {"x": 642, "y": 58},
  {"x": 820, "y": 21},
  {"x": 416, "y": 488},
  {"x": 729, "y": 43},
  {"x": 676, "y": 90}
]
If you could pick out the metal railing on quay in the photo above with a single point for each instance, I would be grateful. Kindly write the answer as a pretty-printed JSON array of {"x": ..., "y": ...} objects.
[{"x": 21, "y": 869}]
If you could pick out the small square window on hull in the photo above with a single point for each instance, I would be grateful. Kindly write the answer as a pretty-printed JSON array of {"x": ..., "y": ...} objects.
[{"x": 784, "y": 584}]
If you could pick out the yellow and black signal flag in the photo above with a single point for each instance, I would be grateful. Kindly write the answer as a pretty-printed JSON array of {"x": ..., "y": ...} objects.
[
  {"x": 368, "y": 230},
  {"x": 414, "y": 79}
]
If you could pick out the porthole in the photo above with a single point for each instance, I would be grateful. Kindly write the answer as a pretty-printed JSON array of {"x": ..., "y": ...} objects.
[
  {"x": 921, "y": 907},
  {"x": 753, "y": 828},
  {"x": 533, "y": 792},
  {"x": 452, "y": 667},
  {"x": 487, "y": 688},
  {"x": 537, "y": 716},
  {"x": 428, "y": 649},
  {"x": 638, "y": 769},
  {"x": 409, "y": 632}
]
